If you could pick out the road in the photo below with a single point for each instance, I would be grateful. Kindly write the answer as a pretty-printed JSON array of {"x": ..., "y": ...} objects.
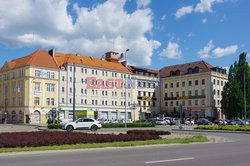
[{"x": 233, "y": 153}]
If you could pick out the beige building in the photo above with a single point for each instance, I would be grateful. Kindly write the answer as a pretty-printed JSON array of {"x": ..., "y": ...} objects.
[
  {"x": 94, "y": 98},
  {"x": 146, "y": 92},
  {"x": 196, "y": 86},
  {"x": 28, "y": 88}
]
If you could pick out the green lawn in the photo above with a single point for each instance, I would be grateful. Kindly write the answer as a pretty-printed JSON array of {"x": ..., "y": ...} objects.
[
  {"x": 226, "y": 127},
  {"x": 196, "y": 138}
]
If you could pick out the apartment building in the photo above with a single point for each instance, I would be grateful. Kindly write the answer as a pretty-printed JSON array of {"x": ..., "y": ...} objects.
[
  {"x": 196, "y": 87},
  {"x": 146, "y": 92},
  {"x": 99, "y": 84},
  {"x": 28, "y": 88}
]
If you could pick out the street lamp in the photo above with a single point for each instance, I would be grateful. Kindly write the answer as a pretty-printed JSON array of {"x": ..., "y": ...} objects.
[{"x": 125, "y": 57}]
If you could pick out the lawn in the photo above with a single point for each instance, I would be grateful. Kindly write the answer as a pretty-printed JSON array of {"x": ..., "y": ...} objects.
[
  {"x": 194, "y": 139},
  {"x": 226, "y": 127}
]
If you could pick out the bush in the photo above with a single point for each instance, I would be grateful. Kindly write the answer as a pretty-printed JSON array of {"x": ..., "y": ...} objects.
[
  {"x": 54, "y": 126},
  {"x": 226, "y": 127},
  {"x": 150, "y": 132},
  {"x": 129, "y": 125},
  {"x": 49, "y": 138}
]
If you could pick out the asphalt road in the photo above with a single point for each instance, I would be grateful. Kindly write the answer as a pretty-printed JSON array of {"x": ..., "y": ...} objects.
[{"x": 236, "y": 152}]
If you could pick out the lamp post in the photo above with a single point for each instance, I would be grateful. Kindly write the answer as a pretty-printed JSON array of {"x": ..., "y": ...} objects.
[
  {"x": 126, "y": 91},
  {"x": 180, "y": 126},
  {"x": 74, "y": 92}
]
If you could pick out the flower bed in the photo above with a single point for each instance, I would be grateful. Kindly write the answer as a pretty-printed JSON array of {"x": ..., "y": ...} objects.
[{"x": 49, "y": 138}]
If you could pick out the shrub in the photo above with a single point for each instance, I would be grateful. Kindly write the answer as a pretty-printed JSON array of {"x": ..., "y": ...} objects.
[
  {"x": 150, "y": 132},
  {"x": 54, "y": 126},
  {"x": 130, "y": 125},
  {"x": 50, "y": 138}
]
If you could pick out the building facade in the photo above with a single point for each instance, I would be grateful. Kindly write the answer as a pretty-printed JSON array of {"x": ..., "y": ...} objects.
[
  {"x": 28, "y": 88},
  {"x": 146, "y": 92},
  {"x": 195, "y": 87},
  {"x": 99, "y": 84}
]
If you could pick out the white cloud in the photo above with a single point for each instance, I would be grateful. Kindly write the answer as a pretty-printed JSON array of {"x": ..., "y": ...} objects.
[
  {"x": 172, "y": 51},
  {"x": 204, "y": 53},
  {"x": 143, "y": 3},
  {"x": 163, "y": 17},
  {"x": 47, "y": 24},
  {"x": 191, "y": 34},
  {"x": 248, "y": 55},
  {"x": 183, "y": 11},
  {"x": 201, "y": 7},
  {"x": 204, "y": 20},
  {"x": 205, "y": 5},
  {"x": 220, "y": 52}
]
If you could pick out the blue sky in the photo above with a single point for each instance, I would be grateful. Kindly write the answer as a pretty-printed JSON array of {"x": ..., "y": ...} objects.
[{"x": 157, "y": 32}]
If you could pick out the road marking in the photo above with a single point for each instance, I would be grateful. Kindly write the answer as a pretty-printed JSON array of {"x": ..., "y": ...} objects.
[{"x": 163, "y": 161}]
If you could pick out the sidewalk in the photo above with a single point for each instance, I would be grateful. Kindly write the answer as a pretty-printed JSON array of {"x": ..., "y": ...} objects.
[{"x": 17, "y": 128}]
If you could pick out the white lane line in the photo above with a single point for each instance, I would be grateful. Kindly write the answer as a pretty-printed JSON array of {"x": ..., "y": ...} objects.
[{"x": 163, "y": 161}]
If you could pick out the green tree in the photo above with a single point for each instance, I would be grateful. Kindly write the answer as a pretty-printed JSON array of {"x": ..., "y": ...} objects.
[{"x": 233, "y": 92}]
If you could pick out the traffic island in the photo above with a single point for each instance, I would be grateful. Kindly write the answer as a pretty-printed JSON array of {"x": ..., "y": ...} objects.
[{"x": 40, "y": 141}]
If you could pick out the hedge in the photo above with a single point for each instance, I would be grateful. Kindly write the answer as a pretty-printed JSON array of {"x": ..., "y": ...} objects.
[
  {"x": 150, "y": 132},
  {"x": 129, "y": 125},
  {"x": 54, "y": 126},
  {"x": 50, "y": 138},
  {"x": 226, "y": 127}
]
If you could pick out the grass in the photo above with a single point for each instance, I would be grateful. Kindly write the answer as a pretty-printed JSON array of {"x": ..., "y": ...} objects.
[
  {"x": 196, "y": 138},
  {"x": 226, "y": 127}
]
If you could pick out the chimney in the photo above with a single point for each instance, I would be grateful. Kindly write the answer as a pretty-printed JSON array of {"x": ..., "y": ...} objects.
[
  {"x": 112, "y": 56},
  {"x": 52, "y": 52}
]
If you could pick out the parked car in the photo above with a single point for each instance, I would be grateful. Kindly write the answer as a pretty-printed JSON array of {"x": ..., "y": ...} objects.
[
  {"x": 160, "y": 122},
  {"x": 203, "y": 121},
  {"x": 189, "y": 122},
  {"x": 239, "y": 122},
  {"x": 83, "y": 123}
]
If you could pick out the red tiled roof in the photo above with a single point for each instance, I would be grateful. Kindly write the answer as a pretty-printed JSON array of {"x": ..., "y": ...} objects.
[
  {"x": 39, "y": 58},
  {"x": 183, "y": 68},
  {"x": 62, "y": 58}
]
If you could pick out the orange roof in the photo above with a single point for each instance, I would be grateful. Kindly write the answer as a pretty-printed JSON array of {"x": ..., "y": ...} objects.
[
  {"x": 183, "y": 68},
  {"x": 62, "y": 58},
  {"x": 39, "y": 58}
]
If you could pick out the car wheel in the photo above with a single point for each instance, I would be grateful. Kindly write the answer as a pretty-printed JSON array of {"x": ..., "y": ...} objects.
[
  {"x": 69, "y": 128},
  {"x": 93, "y": 128}
]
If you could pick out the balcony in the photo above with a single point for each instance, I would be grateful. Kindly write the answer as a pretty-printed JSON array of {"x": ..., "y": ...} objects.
[{"x": 185, "y": 97}]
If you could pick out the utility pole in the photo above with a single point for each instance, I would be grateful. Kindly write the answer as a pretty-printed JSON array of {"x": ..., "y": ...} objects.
[
  {"x": 74, "y": 92},
  {"x": 126, "y": 91},
  {"x": 245, "y": 102}
]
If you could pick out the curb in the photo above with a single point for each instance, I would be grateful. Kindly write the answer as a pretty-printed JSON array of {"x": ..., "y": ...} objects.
[{"x": 214, "y": 131}]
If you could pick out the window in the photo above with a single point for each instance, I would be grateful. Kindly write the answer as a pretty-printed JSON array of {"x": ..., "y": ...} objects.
[
  {"x": 63, "y": 78},
  {"x": 222, "y": 83},
  {"x": 218, "y": 92},
  {"x": 166, "y": 85},
  {"x": 86, "y": 71},
  {"x": 177, "y": 94},
  {"x": 214, "y": 81},
  {"x": 153, "y": 104},
  {"x": 171, "y": 85},
  {"x": 172, "y": 94},
  {"x": 166, "y": 95},
  {"x": 139, "y": 84},
  {"x": 139, "y": 93},
  {"x": 70, "y": 79},
  {"x": 70, "y": 68},
  {"x": 166, "y": 104},
  {"x": 149, "y": 85},
  {"x": 189, "y": 102},
  {"x": 70, "y": 90},
  {"x": 203, "y": 81},
  {"x": 203, "y": 91},
  {"x": 52, "y": 101},
  {"x": 196, "y": 82},
  {"x": 218, "y": 82},
  {"x": 183, "y": 103},
  {"x": 177, "y": 103},
  {"x": 190, "y": 93},
  {"x": 38, "y": 73},
  {"x": 63, "y": 100},
  {"x": 37, "y": 101},
  {"x": 52, "y": 76},
  {"x": 183, "y": 84},
  {"x": 70, "y": 100},
  {"x": 82, "y": 91},
  {"x": 171, "y": 103},
  {"x": 48, "y": 101},
  {"x": 37, "y": 87},
  {"x": 196, "y": 93},
  {"x": 183, "y": 93},
  {"x": 50, "y": 87},
  {"x": 196, "y": 102},
  {"x": 203, "y": 102},
  {"x": 177, "y": 84},
  {"x": 144, "y": 84},
  {"x": 189, "y": 83}
]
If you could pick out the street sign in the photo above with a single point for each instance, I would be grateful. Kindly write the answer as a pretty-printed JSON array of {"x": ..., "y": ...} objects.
[{"x": 53, "y": 112}]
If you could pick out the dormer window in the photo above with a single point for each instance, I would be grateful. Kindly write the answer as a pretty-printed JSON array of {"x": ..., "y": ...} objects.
[
  {"x": 190, "y": 70},
  {"x": 177, "y": 72},
  {"x": 196, "y": 69},
  {"x": 172, "y": 73}
]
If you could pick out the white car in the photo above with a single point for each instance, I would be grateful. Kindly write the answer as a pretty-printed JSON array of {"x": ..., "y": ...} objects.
[{"x": 83, "y": 123}]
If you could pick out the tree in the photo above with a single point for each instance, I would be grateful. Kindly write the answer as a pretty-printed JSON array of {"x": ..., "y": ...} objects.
[{"x": 233, "y": 92}]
